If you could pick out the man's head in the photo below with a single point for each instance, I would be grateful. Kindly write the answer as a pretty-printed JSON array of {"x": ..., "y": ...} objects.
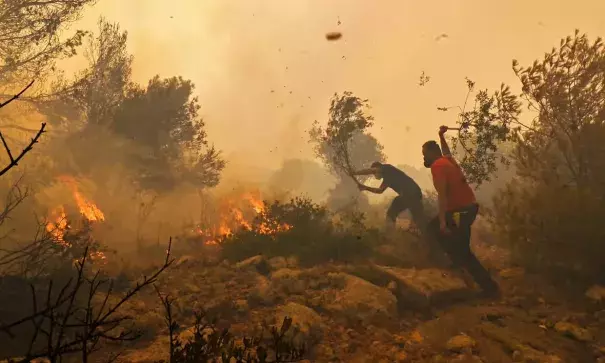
[
  {"x": 431, "y": 152},
  {"x": 377, "y": 167}
]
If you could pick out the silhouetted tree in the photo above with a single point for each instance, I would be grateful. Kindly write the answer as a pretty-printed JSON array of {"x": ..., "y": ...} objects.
[
  {"x": 32, "y": 34},
  {"x": 551, "y": 213},
  {"x": 163, "y": 119},
  {"x": 345, "y": 144},
  {"x": 167, "y": 141}
]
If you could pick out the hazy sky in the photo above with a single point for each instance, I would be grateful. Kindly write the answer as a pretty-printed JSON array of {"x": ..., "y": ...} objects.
[{"x": 238, "y": 51}]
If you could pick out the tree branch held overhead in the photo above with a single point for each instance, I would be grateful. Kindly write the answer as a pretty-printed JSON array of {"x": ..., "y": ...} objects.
[{"x": 14, "y": 161}]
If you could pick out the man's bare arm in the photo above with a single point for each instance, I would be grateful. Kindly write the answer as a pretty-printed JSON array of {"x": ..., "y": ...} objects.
[
  {"x": 378, "y": 190},
  {"x": 445, "y": 149},
  {"x": 369, "y": 171}
]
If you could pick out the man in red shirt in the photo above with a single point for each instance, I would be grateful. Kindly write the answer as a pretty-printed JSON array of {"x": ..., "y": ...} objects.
[{"x": 457, "y": 211}]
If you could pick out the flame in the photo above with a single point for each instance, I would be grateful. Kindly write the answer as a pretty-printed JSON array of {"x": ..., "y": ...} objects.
[
  {"x": 57, "y": 225},
  {"x": 233, "y": 217},
  {"x": 57, "y": 219},
  {"x": 87, "y": 208}
]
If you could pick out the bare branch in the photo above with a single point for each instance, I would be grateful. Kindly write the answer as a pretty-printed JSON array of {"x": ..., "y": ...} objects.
[
  {"x": 17, "y": 95},
  {"x": 14, "y": 161}
]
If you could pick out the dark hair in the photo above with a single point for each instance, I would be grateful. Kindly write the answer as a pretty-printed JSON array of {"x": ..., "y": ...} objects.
[
  {"x": 432, "y": 146},
  {"x": 376, "y": 164}
]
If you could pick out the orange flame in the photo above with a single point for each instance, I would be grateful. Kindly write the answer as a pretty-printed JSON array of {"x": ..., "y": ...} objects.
[
  {"x": 87, "y": 208},
  {"x": 232, "y": 218},
  {"x": 57, "y": 227},
  {"x": 57, "y": 220}
]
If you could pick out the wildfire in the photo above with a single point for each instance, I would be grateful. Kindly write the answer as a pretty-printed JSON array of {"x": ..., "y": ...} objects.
[
  {"x": 57, "y": 225},
  {"x": 233, "y": 217},
  {"x": 57, "y": 219}
]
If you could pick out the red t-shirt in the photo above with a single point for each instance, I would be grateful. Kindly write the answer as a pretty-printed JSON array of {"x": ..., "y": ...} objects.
[{"x": 458, "y": 193}]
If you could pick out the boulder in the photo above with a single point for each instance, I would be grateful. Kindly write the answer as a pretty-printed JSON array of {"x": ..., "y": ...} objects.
[
  {"x": 262, "y": 294},
  {"x": 241, "y": 306},
  {"x": 424, "y": 287},
  {"x": 512, "y": 272},
  {"x": 460, "y": 343},
  {"x": 361, "y": 299},
  {"x": 277, "y": 263},
  {"x": 596, "y": 293},
  {"x": 306, "y": 320},
  {"x": 285, "y": 273},
  {"x": 287, "y": 281},
  {"x": 573, "y": 331},
  {"x": 259, "y": 263},
  {"x": 529, "y": 354}
]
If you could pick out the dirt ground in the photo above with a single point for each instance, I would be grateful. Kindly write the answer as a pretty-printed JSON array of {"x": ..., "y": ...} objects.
[{"x": 357, "y": 314}]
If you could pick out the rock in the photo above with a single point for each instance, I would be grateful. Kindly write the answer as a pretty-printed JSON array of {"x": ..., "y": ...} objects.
[
  {"x": 530, "y": 355},
  {"x": 596, "y": 293},
  {"x": 262, "y": 293},
  {"x": 401, "y": 356},
  {"x": 573, "y": 331},
  {"x": 426, "y": 286},
  {"x": 292, "y": 262},
  {"x": 285, "y": 273},
  {"x": 257, "y": 262},
  {"x": 512, "y": 272},
  {"x": 306, "y": 320},
  {"x": 361, "y": 299},
  {"x": 277, "y": 263},
  {"x": 460, "y": 343},
  {"x": 466, "y": 358},
  {"x": 392, "y": 286},
  {"x": 286, "y": 281},
  {"x": 241, "y": 306}
]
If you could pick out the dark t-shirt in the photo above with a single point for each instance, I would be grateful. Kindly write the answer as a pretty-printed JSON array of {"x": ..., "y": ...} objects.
[{"x": 400, "y": 182}]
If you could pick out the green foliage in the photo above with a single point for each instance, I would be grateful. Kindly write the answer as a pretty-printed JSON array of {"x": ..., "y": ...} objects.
[
  {"x": 345, "y": 143},
  {"x": 492, "y": 122},
  {"x": 101, "y": 88},
  {"x": 163, "y": 119},
  {"x": 551, "y": 229},
  {"x": 565, "y": 141},
  {"x": 313, "y": 235},
  {"x": 160, "y": 133},
  {"x": 552, "y": 215}
]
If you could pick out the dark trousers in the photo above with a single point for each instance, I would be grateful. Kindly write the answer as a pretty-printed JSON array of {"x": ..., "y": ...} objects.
[
  {"x": 414, "y": 204},
  {"x": 457, "y": 245}
]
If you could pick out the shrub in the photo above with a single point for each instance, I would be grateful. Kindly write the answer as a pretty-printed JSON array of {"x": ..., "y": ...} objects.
[
  {"x": 298, "y": 228},
  {"x": 209, "y": 344},
  {"x": 553, "y": 229}
]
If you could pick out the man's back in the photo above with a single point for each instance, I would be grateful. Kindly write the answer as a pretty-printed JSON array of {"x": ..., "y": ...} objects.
[
  {"x": 459, "y": 193},
  {"x": 400, "y": 182}
]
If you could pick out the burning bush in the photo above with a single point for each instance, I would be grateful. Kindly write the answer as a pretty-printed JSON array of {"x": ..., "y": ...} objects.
[{"x": 296, "y": 228}]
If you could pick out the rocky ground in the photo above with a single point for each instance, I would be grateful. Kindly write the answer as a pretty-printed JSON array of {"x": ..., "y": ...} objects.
[{"x": 375, "y": 313}]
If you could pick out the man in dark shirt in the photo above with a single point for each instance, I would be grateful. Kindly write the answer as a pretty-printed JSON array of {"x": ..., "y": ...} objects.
[{"x": 409, "y": 193}]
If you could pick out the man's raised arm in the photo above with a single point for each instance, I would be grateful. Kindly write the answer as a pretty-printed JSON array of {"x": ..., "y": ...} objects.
[{"x": 445, "y": 149}]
